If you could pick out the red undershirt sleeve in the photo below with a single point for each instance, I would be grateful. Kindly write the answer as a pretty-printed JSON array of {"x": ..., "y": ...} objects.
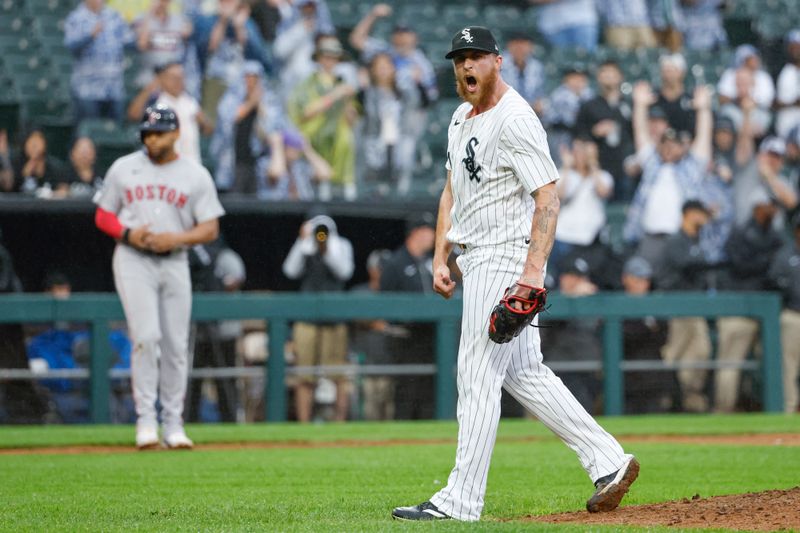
[{"x": 108, "y": 223}]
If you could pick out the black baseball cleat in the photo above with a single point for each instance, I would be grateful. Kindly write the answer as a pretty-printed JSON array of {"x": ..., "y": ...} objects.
[
  {"x": 613, "y": 487},
  {"x": 423, "y": 511}
]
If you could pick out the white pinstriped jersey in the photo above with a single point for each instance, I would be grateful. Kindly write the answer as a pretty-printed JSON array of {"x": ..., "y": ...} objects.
[{"x": 497, "y": 159}]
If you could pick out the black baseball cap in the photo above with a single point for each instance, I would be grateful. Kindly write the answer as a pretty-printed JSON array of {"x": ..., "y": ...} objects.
[
  {"x": 695, "y": 205},
  {"x": 473, "y": 38},
  {"x": 420, "y": 220}
]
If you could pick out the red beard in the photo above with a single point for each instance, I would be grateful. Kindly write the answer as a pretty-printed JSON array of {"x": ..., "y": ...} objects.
[{"x": 485, "y": 89}]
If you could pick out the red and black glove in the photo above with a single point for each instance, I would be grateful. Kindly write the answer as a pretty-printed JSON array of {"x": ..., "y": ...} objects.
[{"x": 507, "y": 319}]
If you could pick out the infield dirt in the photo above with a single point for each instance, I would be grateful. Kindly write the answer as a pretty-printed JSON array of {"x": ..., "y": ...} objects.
[{"x": 773, "y": 510}]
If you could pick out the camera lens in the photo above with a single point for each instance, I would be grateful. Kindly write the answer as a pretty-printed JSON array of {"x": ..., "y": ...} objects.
[{"x": 321, "y": 233}]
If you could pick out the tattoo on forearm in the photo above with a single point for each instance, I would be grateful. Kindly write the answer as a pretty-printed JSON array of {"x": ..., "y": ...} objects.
[{"x": 544, "y": 223}]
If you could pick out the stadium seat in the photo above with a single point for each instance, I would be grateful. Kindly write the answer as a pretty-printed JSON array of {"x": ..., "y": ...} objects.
[
  {"x": 49, "y": 24},
  {"x": 112, "y": 140},
  {"x": 27, "y": 65},
  {"x": 18, "y": 44},
  {"x": 40, "y": 86},
  {"x": 446, "y": 82},
  {"x": 436, "y": 52},
  {"x": 57, "y": 7},
  {"x": 459, "y": 15},
  {"x": 415, "y": 14},
  {"x": 15, "y": 25},
  {"x": 8, "y": 89},
  {"x": 10, "y": 8},
  {"x": 347, "y": 13},
  {"x": 504, "y": 19}
]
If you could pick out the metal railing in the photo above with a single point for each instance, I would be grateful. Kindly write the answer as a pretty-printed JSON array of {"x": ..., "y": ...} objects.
[{"x": 279, "y": 309}]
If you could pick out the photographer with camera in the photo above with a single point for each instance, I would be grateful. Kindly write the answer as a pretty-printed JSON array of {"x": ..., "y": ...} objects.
[{"x": 322, "y": 260}]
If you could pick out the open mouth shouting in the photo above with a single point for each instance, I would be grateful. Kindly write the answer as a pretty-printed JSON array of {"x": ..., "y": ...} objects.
[{"x": 471, "y": 83}]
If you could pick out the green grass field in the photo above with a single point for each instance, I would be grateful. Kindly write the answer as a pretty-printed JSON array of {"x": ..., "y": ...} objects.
[{"x": 353, "y": 488}]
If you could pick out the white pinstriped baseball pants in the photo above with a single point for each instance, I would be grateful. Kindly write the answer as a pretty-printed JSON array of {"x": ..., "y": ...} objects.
[{"x": 484, "y": 368}]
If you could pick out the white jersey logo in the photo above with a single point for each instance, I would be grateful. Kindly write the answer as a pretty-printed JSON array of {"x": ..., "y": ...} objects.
[{"x": 465, "y": 35}]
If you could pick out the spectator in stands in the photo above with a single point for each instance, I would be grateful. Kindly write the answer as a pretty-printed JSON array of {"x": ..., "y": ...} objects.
[
  {"x": 576, "y": 340},
  {"x": 684, "y": 269},
  {"x": 410, "y": 269},
  {"x": 295, "y": 41},
  {"x": 84, "y": 180},
  {"x": 747, "y": 79},
  {"x": 322, "y": 260},
  {"x": 267, "y": 16},
  {"x": 369, "y": 339},
  {"x": 645, "y": 392},
  {"x": 161, "y": 38},
  {"x": 34, "y": 171},
  {"x": 305, "y": 169},
  {"x": 6, "y": 169},
  {"x": 388, "y": 134},
  {"x": 561, "y": 108},
  {"x": 522, "y": 71},
  {"x": 97, "y": 36},
  {"x": 673, "y": 170},
  {"x": 291, "y": 10},
  {"x": 215, "y": 267},
  {"x": 792, "y": 159},
  {"x": 785, "y": 275},
  {"x": 583, "y": 189},
  {"x": 20, "y": 399},
  {"x": 607, "y": 118},
  {"x": 657, "y": 124},
  {"x": 249, "y": 129},
  {"x": 322, "y": 107},
  {"x": 672, "y": 95},
  {"x": 224, "y": 40},
  {"x": 702, "y": 22},
  {"x": 413, "y": 67},
  {"x": 169, "y": 88},
  {"x": 716, "y": 190},
  {"x": 788, "y": 91},
  {"x": 58, "y": 346},
  {"x": 666, "y": 18},
  {"x": 750, "y": 250},
  {"x": 627, "y": 24},
  {"x": 763, "y": 174},
  {"x": 568, "y": 23}
]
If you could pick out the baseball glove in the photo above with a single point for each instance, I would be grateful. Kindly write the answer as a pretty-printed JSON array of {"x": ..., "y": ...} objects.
[{"x": 506, "y": 322}]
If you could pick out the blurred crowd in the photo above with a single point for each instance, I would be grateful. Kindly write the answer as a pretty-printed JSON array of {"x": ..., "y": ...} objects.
[{"x": 284, "y": 105}]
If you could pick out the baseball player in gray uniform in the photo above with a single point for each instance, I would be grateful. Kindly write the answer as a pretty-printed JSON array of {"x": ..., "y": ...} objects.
[
  {"x": 500, "y": 206},
  {"x": 156, "y": 204}
]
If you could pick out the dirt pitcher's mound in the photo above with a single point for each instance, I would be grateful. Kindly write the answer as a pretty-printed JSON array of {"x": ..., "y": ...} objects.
[{"x": 772, "y": 510}]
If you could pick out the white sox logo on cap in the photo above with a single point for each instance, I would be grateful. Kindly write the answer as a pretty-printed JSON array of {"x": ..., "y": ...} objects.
[{"x": 465, "y": 35}]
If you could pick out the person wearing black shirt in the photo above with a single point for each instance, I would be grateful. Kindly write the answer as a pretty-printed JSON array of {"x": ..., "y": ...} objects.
[
  {"x": 685, "y": 269},
  {"x": 19, "y": 399},
  {"x": 672, "y": 96},
  {"x": 784, "y": 273},
  {"x": 750, "y": 250},
  {"x": 607, "y": 118},
  {"x": 37, "y": 172},
  {"x": 82, "y": 176},
  {"x": 643, "y": 337},
  {"x": 410, "y": 270}
]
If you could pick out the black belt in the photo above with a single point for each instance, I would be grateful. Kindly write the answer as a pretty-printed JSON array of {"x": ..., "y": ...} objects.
[{"x": 150, "y": 253}]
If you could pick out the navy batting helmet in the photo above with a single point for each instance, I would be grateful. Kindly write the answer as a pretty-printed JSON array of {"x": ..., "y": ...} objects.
[{"x": 159, "y": 117}]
